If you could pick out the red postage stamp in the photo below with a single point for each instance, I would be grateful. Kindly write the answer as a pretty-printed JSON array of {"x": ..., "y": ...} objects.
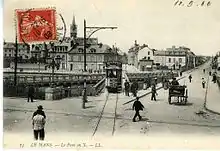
[{"x": 36, "y": 25}]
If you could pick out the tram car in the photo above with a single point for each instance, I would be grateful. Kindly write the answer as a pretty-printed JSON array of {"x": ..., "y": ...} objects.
[{"x": 113, "y": 76}]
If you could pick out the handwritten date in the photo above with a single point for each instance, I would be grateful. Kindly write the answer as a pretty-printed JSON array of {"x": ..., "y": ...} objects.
[{"x": 191, "y": 3}]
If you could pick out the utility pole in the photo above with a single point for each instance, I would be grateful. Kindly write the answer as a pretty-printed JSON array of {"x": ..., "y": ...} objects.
[
  {"x": 16, "y": 60},
  {"x": 85, "y": 70},
  {"x": 94, "y": 29}
]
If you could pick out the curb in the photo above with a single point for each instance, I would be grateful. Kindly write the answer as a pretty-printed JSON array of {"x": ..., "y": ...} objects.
[
  {"x": 205, "y": 103},
  {"x": 143, "y": 95}
]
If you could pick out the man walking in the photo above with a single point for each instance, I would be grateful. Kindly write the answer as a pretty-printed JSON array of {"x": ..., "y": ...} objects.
[
  {"x": 137, "y": 106},
  {"x": 190, "y": 78},
  {"x": 214, "y": 78},
  {"x": 30, "y": 93},
  {"x": 38, "y": 123},
  {"x": 153, "y": 92},
  {"x": 203, "y": 83}
]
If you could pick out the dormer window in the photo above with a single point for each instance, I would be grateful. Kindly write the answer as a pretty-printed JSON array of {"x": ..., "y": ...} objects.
[
  {"x": 80, "y": 50},
  {"x": 92, "y": 50}
]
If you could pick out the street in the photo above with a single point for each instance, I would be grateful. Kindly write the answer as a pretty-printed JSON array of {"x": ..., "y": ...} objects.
[{"x": 102, "y": 118}]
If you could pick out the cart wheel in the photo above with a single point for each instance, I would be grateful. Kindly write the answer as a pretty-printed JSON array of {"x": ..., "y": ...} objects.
[{"x": 169, "y": 100}]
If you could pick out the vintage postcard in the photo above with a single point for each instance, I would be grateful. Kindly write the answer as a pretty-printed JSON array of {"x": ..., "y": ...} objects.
[{"x": 111, "y": 74}]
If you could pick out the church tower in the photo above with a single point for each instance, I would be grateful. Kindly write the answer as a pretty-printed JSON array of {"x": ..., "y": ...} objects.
[{"x": 73, "y": 28}]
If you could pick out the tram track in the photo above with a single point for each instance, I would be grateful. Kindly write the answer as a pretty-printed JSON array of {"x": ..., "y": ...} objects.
[{"x": 99, "y": 126}]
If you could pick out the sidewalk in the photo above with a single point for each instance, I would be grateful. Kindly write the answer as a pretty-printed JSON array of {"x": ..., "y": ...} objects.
[{"x": 213, "y": 94}]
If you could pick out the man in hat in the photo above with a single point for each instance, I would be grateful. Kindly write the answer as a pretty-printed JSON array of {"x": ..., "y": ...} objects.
[
  {"x": 38, "y": 122},
  {"x": 39, "y": 111},
  {"x": 153, "y": 92},
  {"x": 127, "y": 87},
  {"x": 190, "y": 78},
  {"x": 137, "y": 106},
  {"x": 203, "y": 83}
]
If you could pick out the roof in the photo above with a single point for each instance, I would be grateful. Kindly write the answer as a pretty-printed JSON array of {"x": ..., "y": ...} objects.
[
  {"x": 92, "y": 49},
  {"x": 170, "y": 53},
  {"x": 11, "y": 45}
]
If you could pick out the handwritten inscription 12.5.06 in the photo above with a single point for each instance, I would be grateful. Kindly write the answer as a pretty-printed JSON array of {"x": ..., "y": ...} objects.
[{"x": 192, "y": 3}]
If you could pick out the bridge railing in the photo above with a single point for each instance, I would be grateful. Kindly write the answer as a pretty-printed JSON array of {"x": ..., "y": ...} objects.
[{"x": 57, "y": 78}]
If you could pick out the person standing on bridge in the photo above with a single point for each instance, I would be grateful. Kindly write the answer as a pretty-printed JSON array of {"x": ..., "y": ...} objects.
[
  {"x": 137, "y": 106},
  {"x": 30, "y": 93},
  {"x": 203, "y": 70},
  {"x": 127, "y": 87}
]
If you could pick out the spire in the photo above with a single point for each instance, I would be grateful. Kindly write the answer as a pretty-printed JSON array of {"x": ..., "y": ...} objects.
[
  {"x": 73, "y": 21},
  {"x": 73, "y": 28}
]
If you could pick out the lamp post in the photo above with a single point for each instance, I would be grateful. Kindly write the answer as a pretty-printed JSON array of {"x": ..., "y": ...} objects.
[
  {"x": 54, "y": 62},
  {"x": 15, "y": 60}
]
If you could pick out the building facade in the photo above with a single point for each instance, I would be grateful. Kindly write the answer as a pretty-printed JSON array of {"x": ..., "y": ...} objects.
[
  {"x": 96, "y": 56},
  {"x": 23, "y": 50},
  {"x": 145, "y": 64},
  {"x": 175, "y": 58},
  {"x": 133, "y": 54}
]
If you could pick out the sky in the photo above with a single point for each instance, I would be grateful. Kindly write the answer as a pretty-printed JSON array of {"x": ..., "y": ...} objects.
[{"x": 157, "y": 23}]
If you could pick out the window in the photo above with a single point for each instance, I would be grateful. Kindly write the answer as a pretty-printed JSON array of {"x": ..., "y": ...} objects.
[
  {"x": 9, "y": 55},
  {"x": 93, "y": 58},
  {"x": 6, "y": 51},
  {"x": 92, "y": 50},
  {"x": 63, "y": 56},
  {"x": 148, "y": 52},
  {"x": 148, "y": 58},
  {"x": 169, "y": 60},
  {"x": 88, "y": 58},
  {"x": 180, "y": 60},
  {"x": 28, "y": 51},
  {"x": 5, "y": 55},
  {"x": 80, "y": 50},
  {"x": 9, "y": 50},
  {"x": 174, "y": 60}
]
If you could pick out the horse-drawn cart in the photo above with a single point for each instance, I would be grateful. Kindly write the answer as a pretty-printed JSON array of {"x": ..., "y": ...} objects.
[{"x": 179, "y": 92}]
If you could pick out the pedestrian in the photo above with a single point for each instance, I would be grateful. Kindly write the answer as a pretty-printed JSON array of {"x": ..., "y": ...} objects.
[
  {"x": 39, "y": 111},
  {"x": 30, "y": 93},
  {"x": 214, "y": 78},
  {"x": 181, "y": 73},
  {"x": 203, "y": 83},
  {"x": 137, "y": 106},
  {"x": 203, "y": 70},
  {"x": 153, "y": 92},
  {"x": 190, "y": 78},
  {"x": 127, "y": 87},
  {"x": 38, "y": 123},
  {"x": 210, "y": 73},
  {"x": 134, "y": 88}
]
